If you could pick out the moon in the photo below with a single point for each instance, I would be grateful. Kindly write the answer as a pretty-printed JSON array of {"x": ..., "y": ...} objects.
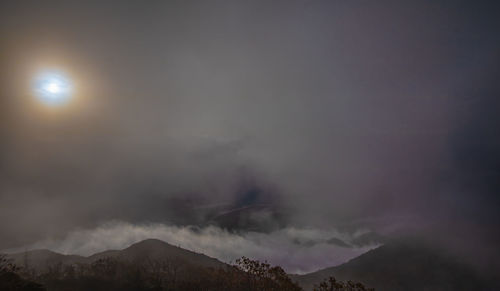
[{"x": 53, "y": 88}]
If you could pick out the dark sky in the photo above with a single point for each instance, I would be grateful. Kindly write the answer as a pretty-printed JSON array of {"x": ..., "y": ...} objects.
[{"x": 302, "y": 121}]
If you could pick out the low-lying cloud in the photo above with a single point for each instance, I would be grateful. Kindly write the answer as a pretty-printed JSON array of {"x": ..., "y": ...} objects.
[{"x": 297, "y": 250}]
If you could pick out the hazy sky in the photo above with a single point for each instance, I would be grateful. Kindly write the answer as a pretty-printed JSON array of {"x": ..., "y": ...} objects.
[{"x": 282, "y": 123}]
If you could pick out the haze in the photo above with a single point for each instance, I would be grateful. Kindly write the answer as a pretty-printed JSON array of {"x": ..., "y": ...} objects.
[{"x": 258, "y": 128}]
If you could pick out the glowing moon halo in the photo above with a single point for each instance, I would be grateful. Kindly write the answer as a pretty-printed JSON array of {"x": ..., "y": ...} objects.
[{"x": 53, "y": 88}]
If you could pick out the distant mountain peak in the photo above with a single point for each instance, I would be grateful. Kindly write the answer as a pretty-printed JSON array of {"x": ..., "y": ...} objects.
[
  {"x": 150, "y": 243},
  {"x": 146, "y": 249},
  {"x": 401, "y": 265}
]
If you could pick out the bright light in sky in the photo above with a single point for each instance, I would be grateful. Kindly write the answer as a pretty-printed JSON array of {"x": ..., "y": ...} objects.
[{"x": 52, "y": 88}]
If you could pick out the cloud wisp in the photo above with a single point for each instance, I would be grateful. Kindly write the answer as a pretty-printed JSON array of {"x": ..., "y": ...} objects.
[{"x": 296, "y": 250}]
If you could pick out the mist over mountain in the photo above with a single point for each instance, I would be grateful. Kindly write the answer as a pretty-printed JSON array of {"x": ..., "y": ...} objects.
[
  {"x": 404, "y": 264},
  {"x": 297, "y": 250},
  {"x": 304, "y": 133},
  {"x": 409, "y": 264},
  {"x": 147, "y": 249}
]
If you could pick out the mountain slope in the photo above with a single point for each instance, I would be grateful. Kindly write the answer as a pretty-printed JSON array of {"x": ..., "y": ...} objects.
[
  {"x": 147, "y": 249},
  {"x": 403, "y": 266},
  {"x": 159, "y": 250}
]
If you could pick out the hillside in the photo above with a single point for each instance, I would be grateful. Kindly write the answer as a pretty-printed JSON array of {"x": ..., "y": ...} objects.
[
  {"x": 403, "y": 266},
  {"x": 145, "y": 266},
  {"x": 147, "y": 249},
  {"x": 159, "y": 250}
]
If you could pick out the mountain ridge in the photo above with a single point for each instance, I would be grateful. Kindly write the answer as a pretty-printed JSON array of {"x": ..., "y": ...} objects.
[
  {"x": 145, "y": 249},
  {"x": 397, "y": 265},
  {"x": 405, "y": 265}
]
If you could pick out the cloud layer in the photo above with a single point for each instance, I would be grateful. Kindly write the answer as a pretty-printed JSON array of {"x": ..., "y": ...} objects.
[{"x": 296, "y": 250}]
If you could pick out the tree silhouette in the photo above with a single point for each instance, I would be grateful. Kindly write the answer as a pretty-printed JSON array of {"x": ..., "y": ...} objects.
[
  {"x": 11, "y": 281},
  {"x": 153, "y": 274},
  {"x": 331, "y": 284}
]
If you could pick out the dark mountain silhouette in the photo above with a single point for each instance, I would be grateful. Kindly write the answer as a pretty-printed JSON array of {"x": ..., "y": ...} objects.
[
  {"x": 159, "y": 250},
  {"x": 147, "y": 249},
  {"x": 400, "y": 265},
  {"x": 407, "y": 266},
  {"x": 145, "y": 266}
]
